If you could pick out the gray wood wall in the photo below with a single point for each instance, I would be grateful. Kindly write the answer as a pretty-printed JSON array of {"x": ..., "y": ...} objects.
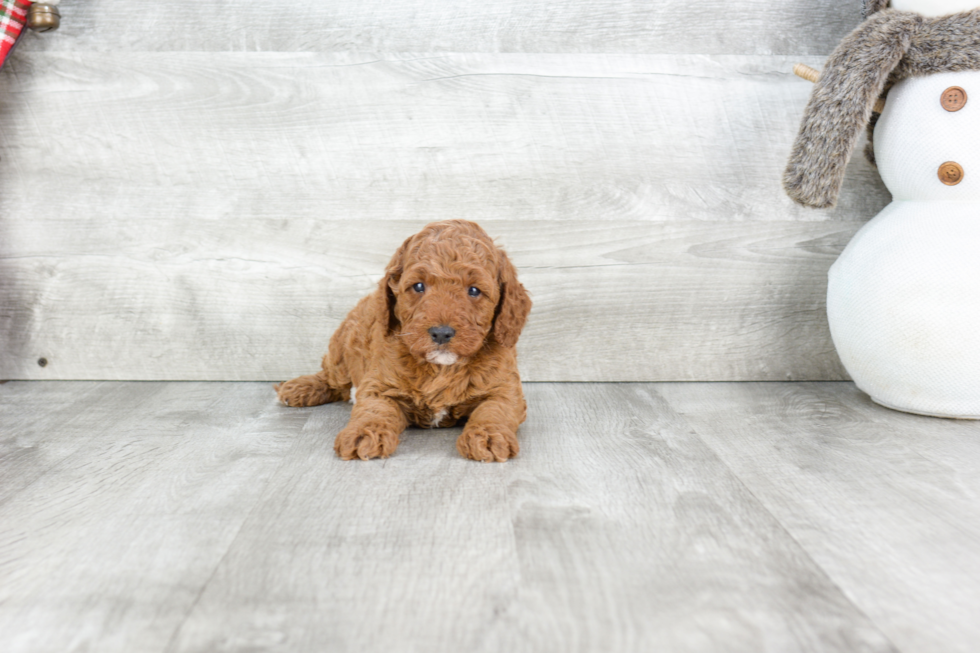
[{"x": 202, "y": 190}]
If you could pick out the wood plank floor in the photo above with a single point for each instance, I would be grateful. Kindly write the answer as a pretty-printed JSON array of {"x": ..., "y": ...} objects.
[{"x": 638, "y": 517}]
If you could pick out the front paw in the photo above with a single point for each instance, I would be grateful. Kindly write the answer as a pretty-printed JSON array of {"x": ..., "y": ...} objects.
[
  {"x": 366, "y": 441},
  {"x": 487, "y": 444}
]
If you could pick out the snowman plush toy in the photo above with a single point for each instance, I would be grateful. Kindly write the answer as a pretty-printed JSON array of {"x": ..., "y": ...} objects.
[{"x": 903, "y": 299}]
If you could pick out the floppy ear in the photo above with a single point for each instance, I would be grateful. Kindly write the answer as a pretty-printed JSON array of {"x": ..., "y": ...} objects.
[
  {"x": 513, "y": 306},
  {"x": 393, "y": 274},
  {"x": 841, "y": 105}
]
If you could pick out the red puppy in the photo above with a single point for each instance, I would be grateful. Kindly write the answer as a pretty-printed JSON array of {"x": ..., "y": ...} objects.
[{"x": 434, "y": 344}]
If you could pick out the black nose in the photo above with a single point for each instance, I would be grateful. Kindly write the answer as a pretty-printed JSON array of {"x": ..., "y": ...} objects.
[{"x": 442, "y": 334}]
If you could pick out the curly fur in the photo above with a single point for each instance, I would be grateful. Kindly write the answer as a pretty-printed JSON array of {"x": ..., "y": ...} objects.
[
  {"x": 888, "y": 47},
  {"x": 384, "y": 350}
]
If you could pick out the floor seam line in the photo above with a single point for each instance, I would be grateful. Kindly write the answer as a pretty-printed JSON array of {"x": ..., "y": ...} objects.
[{"x": 782, "y": 527}]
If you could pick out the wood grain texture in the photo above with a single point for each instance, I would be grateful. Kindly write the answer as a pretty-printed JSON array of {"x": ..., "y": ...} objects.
[
  {"x": 33, "y": 423},
  {"x": 109, "y": 547},
  {"x": 202, "y": 216},
  {"x": 886, "y": 503},
  {"x": 203, "y": 136},
  {"x": 600, "y": 26},
  {"x": 614, "y": 301},
  {"x": 220, "y": 520}
]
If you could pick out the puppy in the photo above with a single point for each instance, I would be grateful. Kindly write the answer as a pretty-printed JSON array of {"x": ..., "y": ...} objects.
[{"x": 432, "y": 346}]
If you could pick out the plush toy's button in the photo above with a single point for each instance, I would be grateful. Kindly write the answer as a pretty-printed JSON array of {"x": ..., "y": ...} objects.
[
  {"x": 951, "y": 173},
  {"x": 953, "y": 99}
]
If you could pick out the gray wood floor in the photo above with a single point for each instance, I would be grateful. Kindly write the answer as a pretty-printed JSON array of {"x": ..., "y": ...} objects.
[{"x": 638, "y": 517}]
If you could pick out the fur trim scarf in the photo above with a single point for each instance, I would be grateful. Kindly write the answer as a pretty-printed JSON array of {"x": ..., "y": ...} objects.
[
  {"x": 872, "y": 6},
  {"x": 888, "y": 47}
]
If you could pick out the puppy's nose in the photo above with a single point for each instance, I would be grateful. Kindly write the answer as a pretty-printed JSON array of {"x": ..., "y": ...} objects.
[{"x": 442, "y": 334}]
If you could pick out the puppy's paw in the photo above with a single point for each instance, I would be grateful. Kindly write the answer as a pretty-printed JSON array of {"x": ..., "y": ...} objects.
[
  {"x": 309, "y": 390},
  {"x": 366, "y": 440},
  {"x": 487, "y": 444}
]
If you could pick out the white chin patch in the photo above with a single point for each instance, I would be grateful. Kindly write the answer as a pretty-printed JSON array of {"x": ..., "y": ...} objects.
[
  {"x": 441, "y": 357},
  {"x": 438, "y": 417},
  {"x": 353, "y": 395}
]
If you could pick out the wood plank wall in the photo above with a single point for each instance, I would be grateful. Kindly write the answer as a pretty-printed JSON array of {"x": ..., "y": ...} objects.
[{"x": 202, "y": 190}]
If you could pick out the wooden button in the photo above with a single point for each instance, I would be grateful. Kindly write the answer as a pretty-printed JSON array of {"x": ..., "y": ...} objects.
[
  {"x": 951, "y": 173},
  {"x": 953, "y": 99}
]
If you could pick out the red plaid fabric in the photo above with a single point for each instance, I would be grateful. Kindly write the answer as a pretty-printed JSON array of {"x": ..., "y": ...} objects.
[{"x": 13, "y": 16}]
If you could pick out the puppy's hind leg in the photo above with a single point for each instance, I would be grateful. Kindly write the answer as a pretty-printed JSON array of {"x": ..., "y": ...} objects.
[
  {"x": 311, "y": 390},
  {"x": 331, "y": 383}
]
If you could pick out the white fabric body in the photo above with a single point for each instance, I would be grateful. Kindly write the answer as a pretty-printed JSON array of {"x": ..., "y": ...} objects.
[
  {"x": 915, "y": 135},
  {"x": 934, "y": 7},
  {"x": 903, "y": 299}
]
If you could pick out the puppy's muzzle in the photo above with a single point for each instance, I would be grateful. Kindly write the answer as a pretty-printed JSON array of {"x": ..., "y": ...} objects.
[{"x": 442, "y": 334}]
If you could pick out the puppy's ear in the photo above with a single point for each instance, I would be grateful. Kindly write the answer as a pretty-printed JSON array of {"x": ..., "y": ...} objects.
[
  {"x": 393, "y": 274},
  {"x": 513, "y": 307}
]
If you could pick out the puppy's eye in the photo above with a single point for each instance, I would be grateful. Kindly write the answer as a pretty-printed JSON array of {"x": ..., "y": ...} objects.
[
  {"x": 419, "y": 287},
  {"x": 474, "y": 291}
]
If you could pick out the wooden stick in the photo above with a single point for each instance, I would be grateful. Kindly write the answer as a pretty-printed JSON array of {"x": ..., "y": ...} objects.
[
  {"x": 807, "y": 73},
  {"x": 812, "y": 75}
]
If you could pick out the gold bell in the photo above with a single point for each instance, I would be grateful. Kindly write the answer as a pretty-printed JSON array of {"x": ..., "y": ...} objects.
[{"x": 43, "y": 18}]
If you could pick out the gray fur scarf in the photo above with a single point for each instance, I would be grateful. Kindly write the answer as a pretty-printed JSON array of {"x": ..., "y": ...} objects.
[{"x": 887, "y": 47}]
